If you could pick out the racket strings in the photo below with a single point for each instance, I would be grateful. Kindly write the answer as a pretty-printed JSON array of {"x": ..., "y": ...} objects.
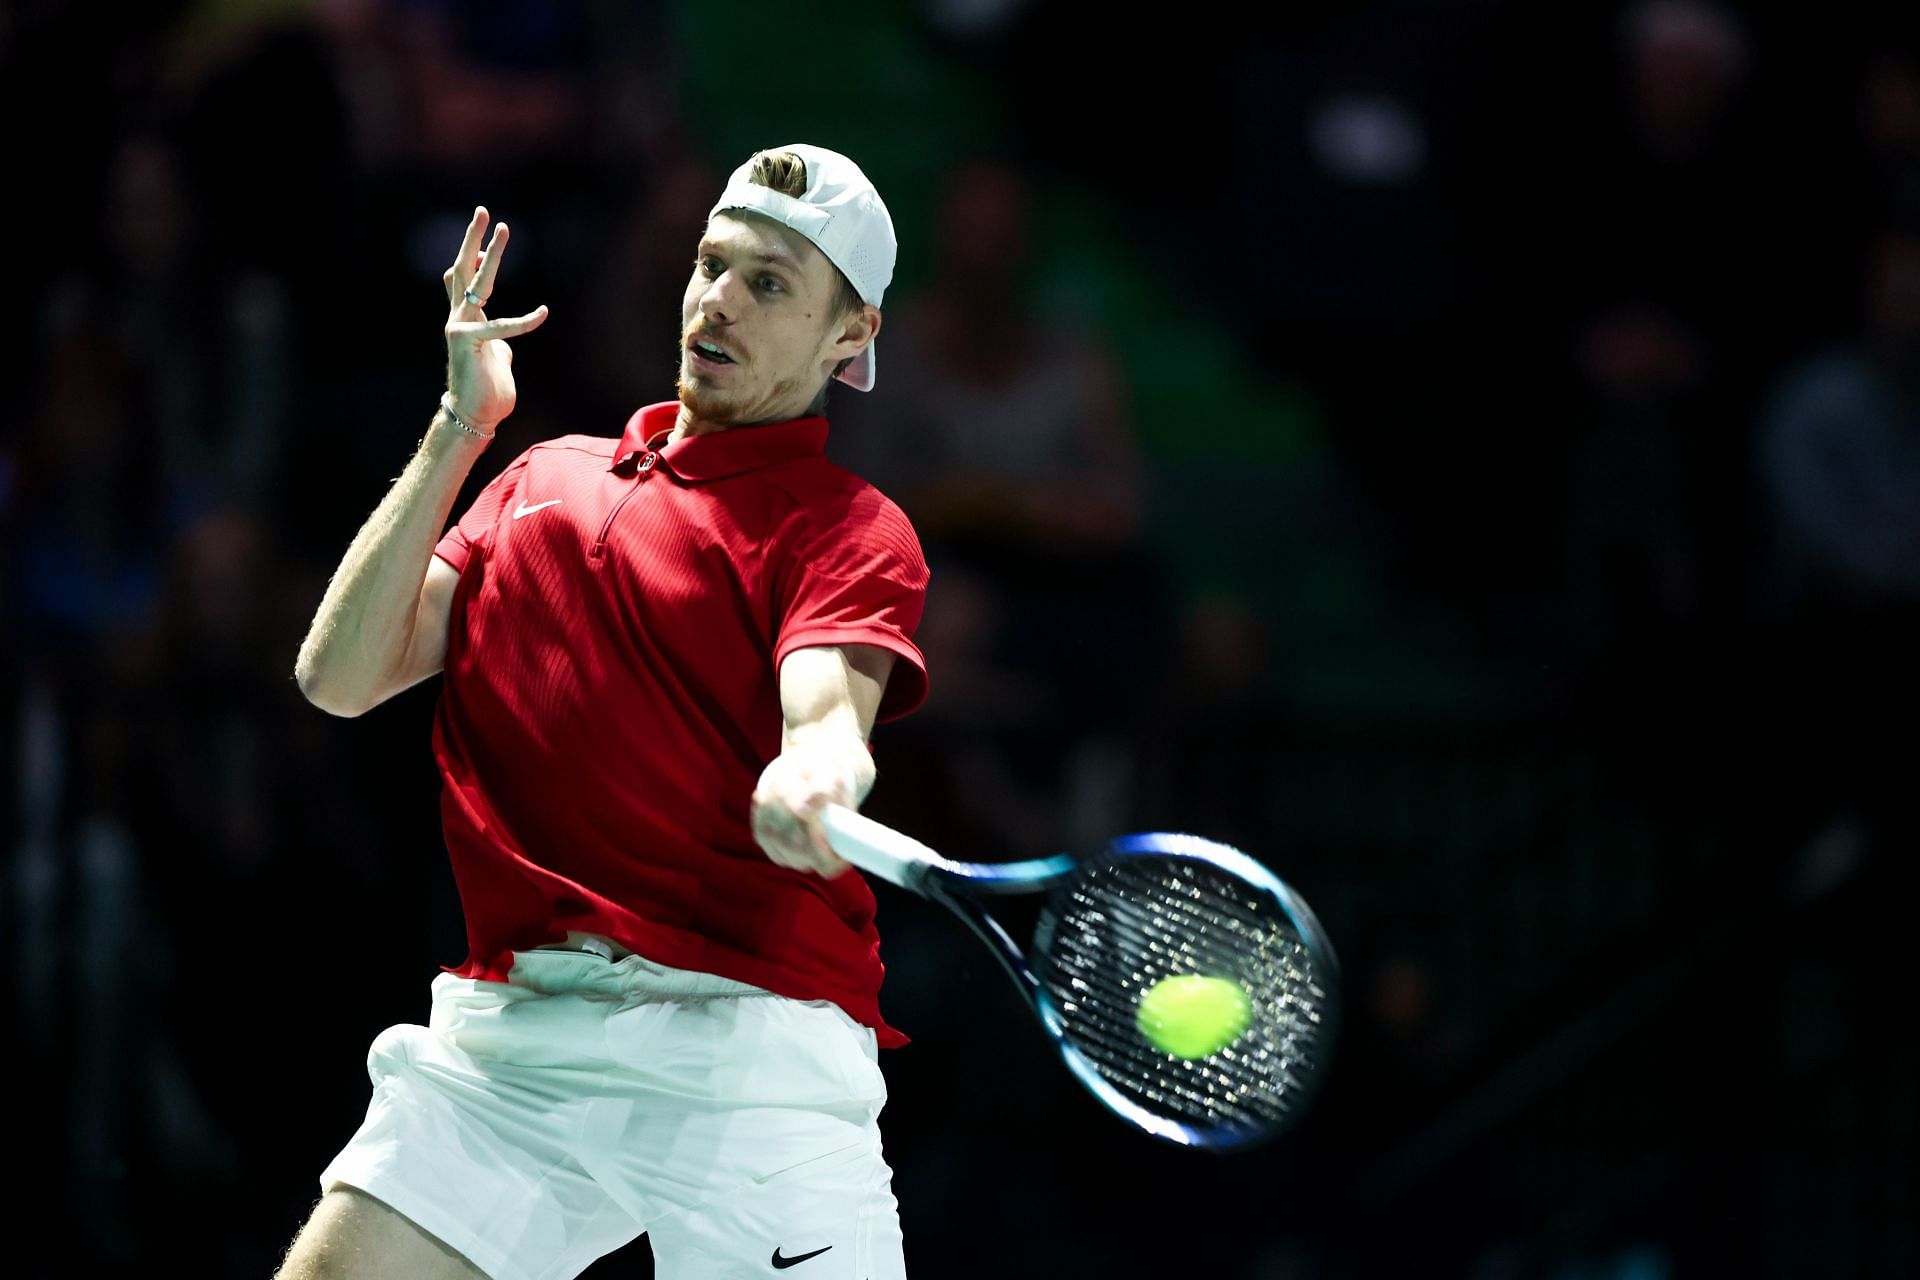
[
  {"x": 1225, "y": 1087},
  {"x": 1128, "y": 923}
]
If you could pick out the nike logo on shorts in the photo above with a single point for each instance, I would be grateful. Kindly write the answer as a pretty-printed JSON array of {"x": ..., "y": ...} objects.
[{"x": 781, "y": 1264}]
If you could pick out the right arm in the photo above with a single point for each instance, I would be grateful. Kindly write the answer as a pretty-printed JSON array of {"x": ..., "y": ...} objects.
[{"x": 382, "y": 625}]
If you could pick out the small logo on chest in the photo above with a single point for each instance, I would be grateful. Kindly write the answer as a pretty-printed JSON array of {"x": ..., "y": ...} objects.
[{"x": 524, "y": 510}]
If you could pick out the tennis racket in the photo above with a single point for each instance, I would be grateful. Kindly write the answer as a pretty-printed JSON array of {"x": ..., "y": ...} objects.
[{"x": 1118, "y": 926}]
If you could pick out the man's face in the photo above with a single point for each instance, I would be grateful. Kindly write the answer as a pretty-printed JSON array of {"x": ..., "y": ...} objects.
[{"x": 763, "y": 293}]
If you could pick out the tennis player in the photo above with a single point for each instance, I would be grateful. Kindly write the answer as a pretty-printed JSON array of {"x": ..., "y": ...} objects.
[{"x": 663, "y": 655}]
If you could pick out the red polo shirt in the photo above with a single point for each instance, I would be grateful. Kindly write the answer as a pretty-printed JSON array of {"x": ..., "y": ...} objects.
[{"x": 611, "y": 696}]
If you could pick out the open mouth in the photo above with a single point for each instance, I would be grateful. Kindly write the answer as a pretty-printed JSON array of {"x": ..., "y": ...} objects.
[{"x": 705, "y": 352}]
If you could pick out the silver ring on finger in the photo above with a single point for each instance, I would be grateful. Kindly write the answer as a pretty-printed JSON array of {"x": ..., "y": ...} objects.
[{"x": 478, "y": 302}]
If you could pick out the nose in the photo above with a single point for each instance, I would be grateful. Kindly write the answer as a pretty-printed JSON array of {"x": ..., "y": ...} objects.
[{"x": 716, "y": 302}]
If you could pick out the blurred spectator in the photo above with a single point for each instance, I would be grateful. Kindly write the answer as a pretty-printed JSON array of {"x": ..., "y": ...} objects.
[
  {"x": 201, "y": 357},
  {"x": 1666, "y": 219},
  {"x": 1667, "y": 214},
  {"x": 1649, "y": 581},
  {"x": 1840, "y": 447},
  {"x": 1684, "y": 58},
  {"x": 1203, "y": 765},
  {"x": 1839, "y": 472},
  {"x": 225, "y": 699},
  {"x": 89, "y": 507},
  {"x": 378, "y": 99},
  {"x": 1633, "y": 548},
  {"x": 997, "y": 424},
  {"x": 1330, "y": 244},
  {"x": 1004, "y": 435},
  {"x": 258, "y": 109},
  {"x": 636, "y": 285},
  {"x": 1675, "y": 204},
  {"x": 87, "y": 574},
  {"x": 501, "y": 83},
  {"x": 1889, "y": 113},
  {"x": 974, "y": 769}
]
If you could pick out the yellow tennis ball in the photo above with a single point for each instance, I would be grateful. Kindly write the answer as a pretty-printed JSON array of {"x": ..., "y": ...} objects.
[{"x": 1193, "y": 1016}]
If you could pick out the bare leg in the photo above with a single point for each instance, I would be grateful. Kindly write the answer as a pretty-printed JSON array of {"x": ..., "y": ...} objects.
[{"x": 352, "y": 1236}]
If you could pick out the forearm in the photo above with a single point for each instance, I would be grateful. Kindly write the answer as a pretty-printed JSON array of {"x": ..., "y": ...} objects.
[
  {"x": 829, "y": 696},
  {"x": 362, "y": 629}
]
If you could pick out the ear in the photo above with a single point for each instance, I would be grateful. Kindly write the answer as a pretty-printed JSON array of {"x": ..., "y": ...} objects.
[{"x": 854, "y": 333}]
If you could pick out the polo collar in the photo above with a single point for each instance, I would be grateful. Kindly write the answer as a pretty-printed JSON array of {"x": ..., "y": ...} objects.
[{"x": 717, "y": 453}]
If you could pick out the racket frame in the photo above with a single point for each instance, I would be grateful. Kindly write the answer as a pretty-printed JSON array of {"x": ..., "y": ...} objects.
[{"x": 906, "y": 862}]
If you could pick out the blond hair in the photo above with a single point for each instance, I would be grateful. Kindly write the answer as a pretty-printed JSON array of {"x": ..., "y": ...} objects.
[{"x": 785, "y": 172}]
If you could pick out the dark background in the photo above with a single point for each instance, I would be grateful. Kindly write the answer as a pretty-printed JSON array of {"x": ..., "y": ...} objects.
[{"x": 1464, "y": 452}]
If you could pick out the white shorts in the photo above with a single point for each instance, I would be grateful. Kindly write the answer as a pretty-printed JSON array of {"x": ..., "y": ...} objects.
[{"x": 537, "y": 1124}]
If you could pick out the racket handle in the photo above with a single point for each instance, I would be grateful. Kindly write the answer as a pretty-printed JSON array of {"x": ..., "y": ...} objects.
[{"x": 877, "y": 848}]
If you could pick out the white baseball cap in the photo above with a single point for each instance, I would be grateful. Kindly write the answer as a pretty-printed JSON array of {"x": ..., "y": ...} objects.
[{"x": 842, "y": 215}]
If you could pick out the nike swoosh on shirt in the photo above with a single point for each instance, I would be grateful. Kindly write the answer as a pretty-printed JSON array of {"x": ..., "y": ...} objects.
[
  {"x": 524, "y": 510},
  {"x": 781, "y": 1264}
]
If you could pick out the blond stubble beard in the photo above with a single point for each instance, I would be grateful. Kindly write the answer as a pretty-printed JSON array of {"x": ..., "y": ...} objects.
[
  {"x": 708, "y": 405},
  {"x": 713, "y": 405}
]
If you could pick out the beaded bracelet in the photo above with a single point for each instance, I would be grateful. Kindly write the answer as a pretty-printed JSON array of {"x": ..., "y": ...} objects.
[{"x": 446, "y": 402}]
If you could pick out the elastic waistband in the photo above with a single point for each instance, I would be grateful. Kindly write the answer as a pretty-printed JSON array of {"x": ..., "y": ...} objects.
[
  {"x": 614, "y": 968},
  {"x": 605, "y": 948}
]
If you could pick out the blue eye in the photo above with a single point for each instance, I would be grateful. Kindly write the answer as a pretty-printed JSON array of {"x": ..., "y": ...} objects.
[{"x": 770, "y": 284}]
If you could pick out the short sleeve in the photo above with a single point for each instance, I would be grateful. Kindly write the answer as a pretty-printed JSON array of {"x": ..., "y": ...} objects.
[
  {"x": 476, "y": 526},
  {"x": 860, "y": 580}
]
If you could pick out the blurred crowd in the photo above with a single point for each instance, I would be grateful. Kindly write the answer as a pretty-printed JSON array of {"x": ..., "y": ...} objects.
[{"x": 1476, "y": 468}]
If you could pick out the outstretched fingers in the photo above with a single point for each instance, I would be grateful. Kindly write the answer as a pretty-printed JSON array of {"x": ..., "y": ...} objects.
[
  {"x": 482, "y": 286},
  {"x": 460, "y": 274},
  {"x": 484, "y": 330}
]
